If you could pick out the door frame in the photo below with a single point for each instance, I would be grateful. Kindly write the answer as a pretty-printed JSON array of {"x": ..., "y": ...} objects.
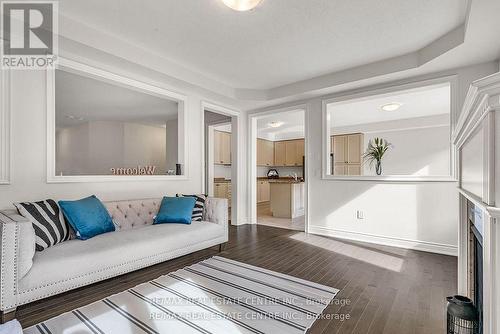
[
  {"x": 237, "y": 176},
  {"x": 252, "y": 158}
]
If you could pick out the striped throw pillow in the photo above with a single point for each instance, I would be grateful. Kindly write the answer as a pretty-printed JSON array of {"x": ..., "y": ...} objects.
[
  {"x": 199, "y": 206},
  {"x": 48, "y": 222}
]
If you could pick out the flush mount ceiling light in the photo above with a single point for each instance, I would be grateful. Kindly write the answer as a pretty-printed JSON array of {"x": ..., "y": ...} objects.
[
  {"x": 241, "y": 5},
  {"x": 393, "y": 106},
  {"x": 275, "y": 124}
]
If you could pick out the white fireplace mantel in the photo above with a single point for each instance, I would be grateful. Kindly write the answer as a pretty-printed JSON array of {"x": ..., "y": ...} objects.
[{"x": 477, "y": 147}]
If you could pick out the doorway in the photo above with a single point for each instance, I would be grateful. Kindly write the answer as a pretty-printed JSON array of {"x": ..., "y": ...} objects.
[
  {"x": 278, "y": 169},
  {"x": 220, "y": 156}
]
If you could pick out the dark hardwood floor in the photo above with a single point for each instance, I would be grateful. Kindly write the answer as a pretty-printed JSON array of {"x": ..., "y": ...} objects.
[{"x": 383, "y": 289}]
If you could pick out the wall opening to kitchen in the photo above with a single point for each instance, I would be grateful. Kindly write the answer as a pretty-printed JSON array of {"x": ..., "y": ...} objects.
[{"x": 280, "y": 166}]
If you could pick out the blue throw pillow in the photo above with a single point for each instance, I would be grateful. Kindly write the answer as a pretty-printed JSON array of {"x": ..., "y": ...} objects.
[
  {"x": 175, "y": 210},
  {"x": 87, "y": 216}
]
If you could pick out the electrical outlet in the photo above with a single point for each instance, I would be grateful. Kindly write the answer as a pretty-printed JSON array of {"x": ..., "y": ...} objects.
[{"x": 360, "y": 214}]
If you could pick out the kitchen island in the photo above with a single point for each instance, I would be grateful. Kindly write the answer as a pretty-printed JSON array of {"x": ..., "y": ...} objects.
[{"x": 287, "y": 198}]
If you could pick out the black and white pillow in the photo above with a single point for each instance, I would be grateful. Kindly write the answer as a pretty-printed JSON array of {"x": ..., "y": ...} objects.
[
  {"x": 48, "y": 222},
  {"x": 199, "y": 206}
]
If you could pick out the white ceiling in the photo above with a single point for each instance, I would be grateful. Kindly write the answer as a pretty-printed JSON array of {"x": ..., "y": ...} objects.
[
  {"x": 86, "y": 99},
  {"x": 293, "y": 125},
  {"x": 286, "y": 48},
  {"x": 416, "y": 103},
  {"x": 279, "y": 42},
  {"x": 223, "y": 127}
]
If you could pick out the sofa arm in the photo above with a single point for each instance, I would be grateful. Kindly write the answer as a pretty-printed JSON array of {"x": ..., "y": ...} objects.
[
  {"x": 216, "y": 211},
  {"x": 17, "y": 245}
]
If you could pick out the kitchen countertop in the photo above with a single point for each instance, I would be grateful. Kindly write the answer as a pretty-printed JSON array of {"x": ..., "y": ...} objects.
[
  {"x": 263, "y": 178},
  {"x": 285, "y": 179},
  {"x": 216, "y": 180}
]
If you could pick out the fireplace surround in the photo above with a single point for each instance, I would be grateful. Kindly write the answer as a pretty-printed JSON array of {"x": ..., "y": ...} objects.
[{"x": 476, "y": 139}]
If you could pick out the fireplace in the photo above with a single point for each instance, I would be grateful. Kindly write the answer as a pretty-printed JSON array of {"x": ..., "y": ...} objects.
[{"x": 475, "y": 258}]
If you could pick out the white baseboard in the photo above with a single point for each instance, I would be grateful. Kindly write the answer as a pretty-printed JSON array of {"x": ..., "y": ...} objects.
[
  {"x": 244, "y": 221},
  {"x": 424, "y": 246}
]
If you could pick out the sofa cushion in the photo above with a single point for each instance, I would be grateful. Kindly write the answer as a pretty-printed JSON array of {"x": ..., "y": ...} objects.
[
  {"x": 199, "y": 207},
  {"x": 87, "y": 216},
  {"x": 131, "y": 214},
  {"x": 74, "y": 259},
  {"x": 48, "y": 222},
  {"x": 175, "y": 210}
]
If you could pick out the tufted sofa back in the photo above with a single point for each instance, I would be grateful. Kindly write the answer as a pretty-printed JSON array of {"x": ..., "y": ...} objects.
[{"x": 132, "y": 214}]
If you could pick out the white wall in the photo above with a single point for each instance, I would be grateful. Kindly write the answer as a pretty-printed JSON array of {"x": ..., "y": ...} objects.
[
  {"x": 72, "y": 149},
  {"x": 94, "y": 147},
  {"x": 414, "y": 152},
  {"x": 105, "y": 146},
  {"x": 222, "y": 171},
  {"x": 144, "y": 144},
  {"x": 422, "y": 215},
  {"x": 410, "y": 214}
]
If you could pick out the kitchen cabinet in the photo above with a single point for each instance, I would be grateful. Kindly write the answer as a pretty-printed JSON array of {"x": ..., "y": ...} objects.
[
  {"x": 339, "y": 149},
  {"x": 300, "y": 153},
  {"x": 222, "y": 148},
  {"x": 354, "y": 148},
  {"x": 287, "y": 199},
  {"x": 289, "y": 152},
  {"x": 223, "y": 190},
  {"x": 265, "y": 152},
  {"x": 354, "y": 169},
  {"x": 340, "y": 169},
  {"x": 220, "y": 190},
  {"x": 279, "y": 153},
  {"x": 263, "y": 191},
  {"x": 347, "y": 153}
]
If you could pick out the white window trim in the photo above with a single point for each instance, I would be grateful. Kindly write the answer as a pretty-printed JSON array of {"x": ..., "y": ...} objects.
[
  {"x": 92, "y": 72},
  {"x": 452, "y": 80}
]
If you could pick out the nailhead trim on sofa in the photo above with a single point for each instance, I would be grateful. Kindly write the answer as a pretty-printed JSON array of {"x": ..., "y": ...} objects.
[
  {"x": 16, "y": 258},
  {"x": 3, "y": 265},
  {"x": 173, "y": 254},
  {"x": 14, "y": 287}
]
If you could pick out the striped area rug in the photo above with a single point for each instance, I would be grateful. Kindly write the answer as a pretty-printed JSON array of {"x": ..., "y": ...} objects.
[{"x": 217, "y": 295}]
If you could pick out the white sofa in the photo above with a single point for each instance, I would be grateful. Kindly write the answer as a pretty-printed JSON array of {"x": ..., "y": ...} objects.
[{"x": 27, "y": 275}]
